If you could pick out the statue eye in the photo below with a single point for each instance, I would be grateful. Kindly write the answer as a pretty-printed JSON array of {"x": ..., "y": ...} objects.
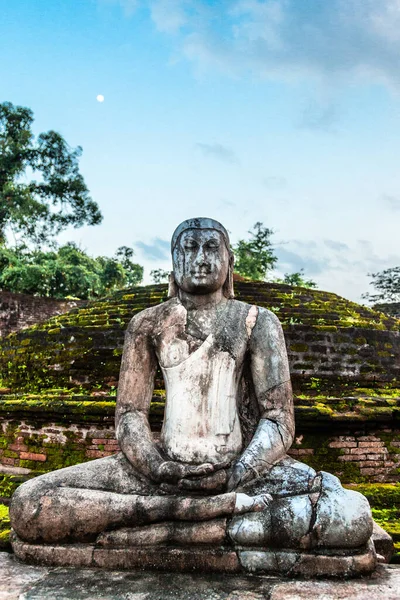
[
  {"x": 190, "y": 245},
  {"x": 213, "y": 244}
]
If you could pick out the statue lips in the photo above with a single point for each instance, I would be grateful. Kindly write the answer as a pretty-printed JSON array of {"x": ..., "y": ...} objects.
[{"x": 201, "y": 274}]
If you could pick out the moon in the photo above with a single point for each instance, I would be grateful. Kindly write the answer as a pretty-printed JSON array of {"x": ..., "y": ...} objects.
[{"x": 100, "y": 98}]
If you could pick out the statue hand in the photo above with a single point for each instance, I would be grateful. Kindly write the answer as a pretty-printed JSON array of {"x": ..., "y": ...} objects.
[
  {"x": 215, "y": 482},
  {"x": 240, "y": 475},
  {"x": 172, "y": 471}
]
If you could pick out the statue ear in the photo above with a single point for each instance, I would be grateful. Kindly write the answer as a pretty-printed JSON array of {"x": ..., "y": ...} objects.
[
  {"x": 172, "y": 287},
  {"x": 228, "y": 290}
]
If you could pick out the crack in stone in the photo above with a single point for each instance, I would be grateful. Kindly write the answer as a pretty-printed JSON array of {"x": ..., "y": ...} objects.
[{"x": 311, "y": 533}]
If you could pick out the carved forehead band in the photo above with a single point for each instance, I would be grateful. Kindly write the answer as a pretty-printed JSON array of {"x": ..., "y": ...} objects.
[{"x": 200, "y": 223}]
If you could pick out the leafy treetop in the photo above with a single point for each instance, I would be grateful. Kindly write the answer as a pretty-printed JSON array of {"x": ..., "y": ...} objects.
[
  {"x": 387, "y": 284},
  {"x": 255, "y": 257},
  {"x": 66, "y": 272},
  {"x": 297, "y": 279},
  {"x": 56, "y": 196}
]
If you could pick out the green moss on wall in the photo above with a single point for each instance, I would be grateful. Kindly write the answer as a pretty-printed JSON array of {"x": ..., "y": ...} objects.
[
  {"x": 325, "y": 458},
  {"x": 85, "y": 344},
  {"x": 4, "y": 528}
]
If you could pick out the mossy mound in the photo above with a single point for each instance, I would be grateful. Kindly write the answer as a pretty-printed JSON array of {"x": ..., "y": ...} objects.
[
  {"x": 384, "y": 499},
  {"x": 321, "y": 310},
  {"x": 83, "y": 347},
  {"x": 4, "y": 528}
]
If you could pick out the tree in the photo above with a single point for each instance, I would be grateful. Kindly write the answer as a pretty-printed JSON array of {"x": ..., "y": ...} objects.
[
  {"x": 255, "y": 257},
  {"x": 67, "y": 271},
  {"x": 159, "y": 276},
  {"x": 133, "y": 271},
  {"x": 56, "y": 196},
  {"x": 297, "y": 279},
  {"x": 387, "y": 284}
]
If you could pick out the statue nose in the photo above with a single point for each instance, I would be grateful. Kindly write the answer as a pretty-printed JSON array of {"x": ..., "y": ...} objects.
[{"x": 200, "y": 257}]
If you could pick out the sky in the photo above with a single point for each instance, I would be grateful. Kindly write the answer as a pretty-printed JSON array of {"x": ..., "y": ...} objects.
[{"x": 280, "y": 111}]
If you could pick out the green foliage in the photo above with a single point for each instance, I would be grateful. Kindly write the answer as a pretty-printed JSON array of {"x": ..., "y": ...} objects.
[
  {"x": 381, "y": 495},
  {"x": 159, "y": 276},
  {"x": 387, "y": 284},
  {"x": 297, "y": 279},
  {"x": 56, "y": 197},
  {"x": 255, "y": 257},
  {"x": 4, "y": 528},
  {"x": 66, "y": 272}
]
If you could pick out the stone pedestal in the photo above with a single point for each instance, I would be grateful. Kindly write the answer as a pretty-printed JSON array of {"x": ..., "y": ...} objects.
[{"x": 202, "y": 558}]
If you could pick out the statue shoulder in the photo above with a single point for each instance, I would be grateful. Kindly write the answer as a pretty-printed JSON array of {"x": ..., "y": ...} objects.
[
  {"x": 263, "y": 317},
  {"x": 153, "y": 319},
  {"x": 266, "y": 318}
]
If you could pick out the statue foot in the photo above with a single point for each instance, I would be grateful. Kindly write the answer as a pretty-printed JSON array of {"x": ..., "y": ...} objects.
[{"x": 245, "y": 503}]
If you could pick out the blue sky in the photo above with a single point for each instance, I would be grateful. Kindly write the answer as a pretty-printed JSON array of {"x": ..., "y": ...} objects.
[{"x": 280, "y": 111}]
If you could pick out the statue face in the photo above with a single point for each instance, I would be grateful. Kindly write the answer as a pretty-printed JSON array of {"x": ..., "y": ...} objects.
[{"x": 201, "y": 261}]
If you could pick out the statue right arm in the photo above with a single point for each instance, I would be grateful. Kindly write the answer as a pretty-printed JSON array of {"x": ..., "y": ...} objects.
[{"x": 135, "y": 392}]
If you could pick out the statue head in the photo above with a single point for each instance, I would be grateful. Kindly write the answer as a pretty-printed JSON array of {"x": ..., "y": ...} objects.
[{"x": 202, "y": 258}]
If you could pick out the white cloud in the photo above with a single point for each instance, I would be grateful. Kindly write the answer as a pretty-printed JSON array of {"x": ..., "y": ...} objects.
[
  {"x": 168, "y": 15},
  {"x": 218, "y": 151},
  {"x": 285, "y": 38},
  {"x": 391, "y": 202}
]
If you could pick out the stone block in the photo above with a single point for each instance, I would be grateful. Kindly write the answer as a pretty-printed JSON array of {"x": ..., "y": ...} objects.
[
  {"x": 33, "y": 456},
  {"x": 359, "y": 451},
  {"x": 371, "y": 444},
  {"x": 383, "y": 542},
  {"x": 168, "y": 558},
  {"x": 343, "y": 444}
]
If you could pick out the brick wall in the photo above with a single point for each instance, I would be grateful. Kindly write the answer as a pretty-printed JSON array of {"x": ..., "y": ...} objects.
[
  {"x": 377, "y": 459},
  {"x": 27, "y": 448},
  {"x": 351, "y": 352},
  {"x": 18, "y": 311}
]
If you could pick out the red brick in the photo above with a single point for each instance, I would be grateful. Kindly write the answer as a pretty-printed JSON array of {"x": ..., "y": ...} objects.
[
  {"x": 96, "y": 453},
  {"x": 357, "y": 450},
  {"x": 304, "y": 451},
  {"x": 111, "y": 449},
  {"x": 9, "y": 461},
  {"x": 371, "y": 471},
  {"x": 18, "y": 447},
  {"x": 101, "y": 441},
  {"x": 377, "y": 456},
  {"x": 352, "y": 457},
  {"x": 368, "y": 438},
  {"x": 372, "y": 463},
  {"x": 343, "y": 445},
  {"x": 33, "y": 456}
]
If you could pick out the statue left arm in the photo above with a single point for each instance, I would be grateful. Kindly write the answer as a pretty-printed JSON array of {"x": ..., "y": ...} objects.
[{"x": 271, "y": 378}]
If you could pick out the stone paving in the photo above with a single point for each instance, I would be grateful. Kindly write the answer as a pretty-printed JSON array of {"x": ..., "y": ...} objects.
[{"x": 23, "y": 582}]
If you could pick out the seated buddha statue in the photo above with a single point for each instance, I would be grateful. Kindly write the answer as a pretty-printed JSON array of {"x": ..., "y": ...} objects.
[{"x": 218, "y": 481}]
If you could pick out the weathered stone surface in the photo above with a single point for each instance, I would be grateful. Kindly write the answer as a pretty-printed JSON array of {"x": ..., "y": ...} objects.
[
  {"x": 16, "y": 577},
  {"x": 204, "y": 559},
  {"x": 23, "y": 582},
  {"x": 383, "y": 542},
  {"x": 222, "y": 453},
  {"x": 382, "y": 585}
]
